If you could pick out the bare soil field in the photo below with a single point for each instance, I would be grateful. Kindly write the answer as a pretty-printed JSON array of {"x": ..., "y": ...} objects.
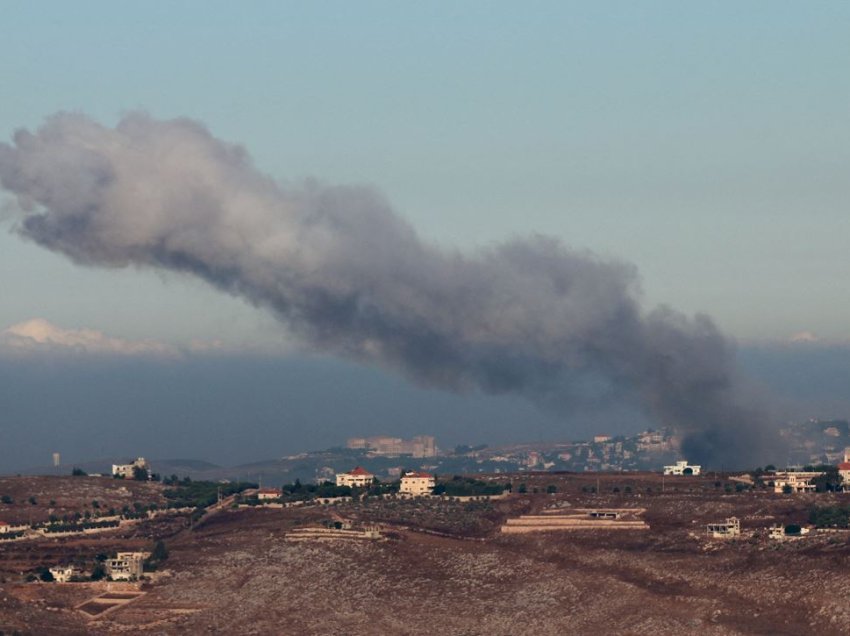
[
  {"x": 65, "y": 495},
  {"x": 447, "y": 569}
]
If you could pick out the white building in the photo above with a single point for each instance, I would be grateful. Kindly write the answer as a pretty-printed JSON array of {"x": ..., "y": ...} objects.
[
  {"x": 264, "y": 494},
  {"x": 127, "y": 471},
  {"x": 126, "y": 566},
  {"x": 63, "y": 574},
  {"x": 796, "y": 481},
  {"x": 357, "y": 478},
  {"x": 417, "y": 484},
  {"x": 5, "y": 527},
  {"x": 682, "y": 468}
]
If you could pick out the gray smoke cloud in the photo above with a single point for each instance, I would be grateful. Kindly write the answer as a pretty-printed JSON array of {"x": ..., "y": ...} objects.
[{"x": 349, "y": 276}]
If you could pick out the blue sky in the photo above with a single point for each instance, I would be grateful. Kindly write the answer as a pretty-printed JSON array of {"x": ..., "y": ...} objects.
[{"x": 706, "y": 142}]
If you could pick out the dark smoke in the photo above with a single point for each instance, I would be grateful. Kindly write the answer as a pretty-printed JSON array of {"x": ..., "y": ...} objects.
[{"x": 348, "y": 276}]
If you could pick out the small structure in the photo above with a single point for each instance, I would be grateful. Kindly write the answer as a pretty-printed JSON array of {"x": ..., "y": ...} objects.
[
  {"x": 726, "y": 530},
  {"x": 266, "y": 494},
  {"x": 682, "y": 468},
  {"x": 128, "y": 471},
  {"x": 795, "y": 481},
  {"x": 603, "y": 514},
  {"x": 63, "y": 574},
  {"x": 417, "y": 484},
  {"x": 126, "y": 566},
  {"x": 357, "y": 478}
]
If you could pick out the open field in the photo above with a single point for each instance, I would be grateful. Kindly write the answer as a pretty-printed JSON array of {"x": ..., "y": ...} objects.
[
  {"x": 61, "y": 496},
  {"x": 445, "y": 568}
]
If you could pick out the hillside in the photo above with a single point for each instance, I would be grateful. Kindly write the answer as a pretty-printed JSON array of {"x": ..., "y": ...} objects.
[{"x": 444, "y": 567}]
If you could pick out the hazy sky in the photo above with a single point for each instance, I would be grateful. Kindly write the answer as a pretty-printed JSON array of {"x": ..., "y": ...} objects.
[{"x": 708, "y": 143}]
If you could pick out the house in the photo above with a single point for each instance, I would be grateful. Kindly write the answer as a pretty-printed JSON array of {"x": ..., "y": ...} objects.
[
  {"x": 63, "y": 574},
  {"x": 128, "y": 471},
  {"x": 682, "y": 468},
  {"x": 126, "y": 566},
  {"x": 357, "y": 478},
  {"x": 5, "y": 527},
  {"x": 729, "y": 528},
  {"x": 844, "y": 471},
  {"x": 265, "y": 494},
  {"x": 794, "y": 481},
  {"x": 417, "y": 484}
]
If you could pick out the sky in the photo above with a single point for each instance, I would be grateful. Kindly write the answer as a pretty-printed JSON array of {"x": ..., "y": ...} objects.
[{"x": 707, "y": 143}]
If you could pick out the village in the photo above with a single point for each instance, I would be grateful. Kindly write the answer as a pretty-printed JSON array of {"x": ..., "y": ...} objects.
[{"x": 360, "y": 485}]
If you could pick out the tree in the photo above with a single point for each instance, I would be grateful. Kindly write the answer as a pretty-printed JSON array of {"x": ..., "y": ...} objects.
[
  {"x": 6, "y": 499},
  {"x": 140, "y": 474},
  {"x": 551, "y": 489},
  {"x": 159, "y": 552},
  {"x": 98, "y": 572},
  {"x": 45, "y": 575},
  {"x": 522, "y": 489},
  {"x": 78, "y": 472},
  {"x": 33, "y": 501},
  {"x": 787, "y": 489}
]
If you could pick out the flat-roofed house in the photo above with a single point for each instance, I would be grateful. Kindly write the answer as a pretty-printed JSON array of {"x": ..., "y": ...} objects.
[
  {"x": 417, "y": 484},
  {"x": 682, "y": 468},
  {"x": 126, "y": 566}
]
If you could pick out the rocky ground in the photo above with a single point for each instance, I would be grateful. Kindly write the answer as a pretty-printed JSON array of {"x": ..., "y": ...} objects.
[{"x": 235, "y": 574}]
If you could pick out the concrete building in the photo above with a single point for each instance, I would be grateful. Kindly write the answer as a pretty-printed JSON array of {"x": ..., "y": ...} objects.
[
  {"x": 682, "y": 468},
  {"x": 264, "y": 494},
  {"x": 417, "y": 484},
  {"x": 357, "y": 478},
  {"x": 419, "y": 446},
  {"x": 128, "y": 470},
  {"x": 795, "y": 481},
  {"x": 729, "y": 528},
  {"x": 126, "y": 566}
]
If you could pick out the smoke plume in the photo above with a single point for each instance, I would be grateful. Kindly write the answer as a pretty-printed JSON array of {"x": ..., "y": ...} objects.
[{"x": 349, "y": 276}]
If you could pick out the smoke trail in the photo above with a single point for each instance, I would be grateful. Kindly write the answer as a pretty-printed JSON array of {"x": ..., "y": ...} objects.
[{"x": 348, "y": 276}]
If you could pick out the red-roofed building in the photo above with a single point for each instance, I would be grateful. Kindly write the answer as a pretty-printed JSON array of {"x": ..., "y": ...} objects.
[
  {"x": 357, "y": 478},
  {"x": 4, "y": 527},
  {"x": 844, "y": 471},
  {"x": 265, "y": 494},
  {"x": 417, "y": 484}
]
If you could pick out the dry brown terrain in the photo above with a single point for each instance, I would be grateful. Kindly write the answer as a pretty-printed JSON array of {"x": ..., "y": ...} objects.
[
  {"x": 234, "y": 573},
  {"x": 66, "y": 495}
]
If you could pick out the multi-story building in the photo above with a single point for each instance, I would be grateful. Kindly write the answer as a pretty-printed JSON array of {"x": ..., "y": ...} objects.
[
  {"x": 126, "y": 566},
  {"x": 357, "y": 478},
  {"x": 128, "y": 471},
  {"x": 419, "y": 446},
  {"x": 794, "y": 481},
  {"x": 417, "y": 484}
]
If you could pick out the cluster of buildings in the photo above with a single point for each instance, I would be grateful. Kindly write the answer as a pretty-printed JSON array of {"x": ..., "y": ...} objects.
[
  {"x": 419, "y": 446},
  {"x": 412, "y": 483}
]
